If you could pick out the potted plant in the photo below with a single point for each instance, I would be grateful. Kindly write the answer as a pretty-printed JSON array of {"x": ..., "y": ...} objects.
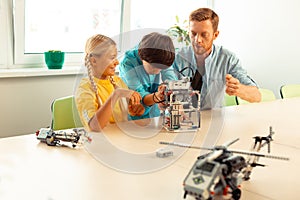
[
  {"x": 54, "y": 59},
  {"x": 179, "y": 32}
]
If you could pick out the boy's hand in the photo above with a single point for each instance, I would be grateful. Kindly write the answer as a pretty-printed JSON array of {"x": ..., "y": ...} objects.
[{"x": 159, "y": 95}]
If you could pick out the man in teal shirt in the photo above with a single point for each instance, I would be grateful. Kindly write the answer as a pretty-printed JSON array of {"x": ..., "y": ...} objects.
[
  {"x": 145, "y": 67},
  {"x": 219, "y": 69}
]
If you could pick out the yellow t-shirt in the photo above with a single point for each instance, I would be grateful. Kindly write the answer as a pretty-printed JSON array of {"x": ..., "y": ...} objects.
[{"x": 87, "y": 102}]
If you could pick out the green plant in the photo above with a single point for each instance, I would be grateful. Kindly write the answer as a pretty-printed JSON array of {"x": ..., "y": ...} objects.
[{"x": 180, "y": 32}]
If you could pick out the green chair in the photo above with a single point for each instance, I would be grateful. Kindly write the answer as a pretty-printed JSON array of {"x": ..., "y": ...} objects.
[
  {"x": 266, "y": 95},
  {"x": 289, "y": 91},
  {"x": 65, "y": 114},
  {"x": 229, "y": 100}
]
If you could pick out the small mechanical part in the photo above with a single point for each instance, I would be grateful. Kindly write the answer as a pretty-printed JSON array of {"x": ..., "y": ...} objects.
[{"x": 164, "y": 152}]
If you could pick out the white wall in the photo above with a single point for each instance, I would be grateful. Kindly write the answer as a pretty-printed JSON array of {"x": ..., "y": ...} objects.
[
  {"x": 25, "y": 102},
  {"x": 265, "y": 34}
]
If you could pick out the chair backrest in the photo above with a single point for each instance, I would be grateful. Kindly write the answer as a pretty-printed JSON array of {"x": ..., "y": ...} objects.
[
  {"x": 289, "y": 91},
  {"x": 229, "y": 100},
  {"x": 266, "y": 95},
  {"x": 65, "y": 114}
]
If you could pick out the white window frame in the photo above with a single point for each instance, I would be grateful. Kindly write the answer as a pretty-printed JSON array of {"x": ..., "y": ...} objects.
[
  {"x": 5, "y": 33},
  {"x": 34, "y": 60}
]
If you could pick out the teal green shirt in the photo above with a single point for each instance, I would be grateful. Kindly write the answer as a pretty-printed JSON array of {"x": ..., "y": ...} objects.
[{"x": 136, "y": 78}]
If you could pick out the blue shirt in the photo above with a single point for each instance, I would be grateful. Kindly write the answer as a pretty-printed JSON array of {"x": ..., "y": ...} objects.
[
  {"x": 136, "y": 78},
  {"x": 219, "y": 63}
]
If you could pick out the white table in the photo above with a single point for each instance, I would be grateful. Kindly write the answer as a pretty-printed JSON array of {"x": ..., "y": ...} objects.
[{"x": 32, "y": 170}]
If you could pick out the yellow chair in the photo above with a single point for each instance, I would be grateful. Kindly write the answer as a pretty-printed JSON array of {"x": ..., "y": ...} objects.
[
  {"x": 65, "y": 114},
  {"x": 289, "y": 91},
  {"x": 229, "y": 100},
  {"x": 266, "y": 95}
]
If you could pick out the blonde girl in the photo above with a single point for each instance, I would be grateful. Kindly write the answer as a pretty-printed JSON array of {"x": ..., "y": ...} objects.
[{"x": 99, "y": 96}]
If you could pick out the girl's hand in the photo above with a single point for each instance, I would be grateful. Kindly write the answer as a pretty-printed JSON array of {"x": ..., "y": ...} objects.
[
  {"x": 136, "y": 109},
  {"x": 135, "y": 98}
]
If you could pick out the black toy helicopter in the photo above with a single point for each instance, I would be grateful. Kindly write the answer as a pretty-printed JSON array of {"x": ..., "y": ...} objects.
[{"x": 220, "y": 171}]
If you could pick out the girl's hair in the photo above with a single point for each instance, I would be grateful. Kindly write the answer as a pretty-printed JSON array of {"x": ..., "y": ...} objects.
[
  {"x": 157, "y": 49},
  {"x": 97, "y": 45},
  {"x": 203, "y": 14}
]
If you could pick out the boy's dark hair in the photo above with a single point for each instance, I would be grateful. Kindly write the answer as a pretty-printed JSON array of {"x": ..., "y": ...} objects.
[{"x": 157, "y": 49}]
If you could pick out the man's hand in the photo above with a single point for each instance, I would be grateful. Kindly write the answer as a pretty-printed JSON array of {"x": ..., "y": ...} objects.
[
  {"x": 246, "y": 92},
  {"x": 233, "y": 85}
]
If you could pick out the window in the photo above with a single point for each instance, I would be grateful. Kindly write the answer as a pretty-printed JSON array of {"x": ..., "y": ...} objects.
[
  {"x": 61, "y": 25},
  {"x": 30, "y": 27},
  {"x": 156, "y": 15},
  {"x": 161, "y": 13}
]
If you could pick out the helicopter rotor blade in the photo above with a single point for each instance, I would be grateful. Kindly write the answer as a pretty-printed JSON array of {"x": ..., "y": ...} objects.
[
  {"x": 184, "y": 145},
  {"x": 227, "y": 144},
  {"x": 259, "y": 154},
  {"x": 209, "y": 157},
  {"x": 214, "y": 155},
  {"x": 233, "y": 151}
]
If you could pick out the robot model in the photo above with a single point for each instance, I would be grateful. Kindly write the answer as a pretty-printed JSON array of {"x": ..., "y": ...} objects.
[
  {"x": 220, "y": 172},
  {"x": 54, "y": 138},
  {"x": 182, "y": 106}
]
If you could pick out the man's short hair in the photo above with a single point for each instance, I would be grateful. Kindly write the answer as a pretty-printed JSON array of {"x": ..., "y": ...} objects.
[
  {"x": 203, "y": 14},
  {"x": 157, "y": 49}
]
